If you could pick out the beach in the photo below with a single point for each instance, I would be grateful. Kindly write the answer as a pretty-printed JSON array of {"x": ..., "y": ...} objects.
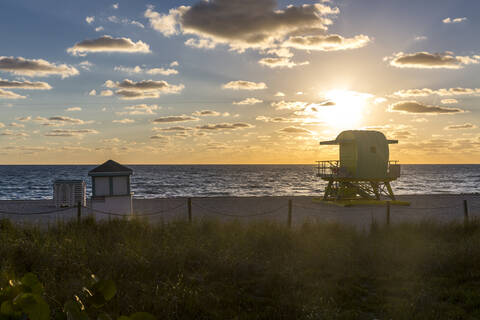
[{"x": 438, "y": 208}]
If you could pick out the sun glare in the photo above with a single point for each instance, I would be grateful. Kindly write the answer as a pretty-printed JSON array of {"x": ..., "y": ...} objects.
[{"x": 344, "y": 109}]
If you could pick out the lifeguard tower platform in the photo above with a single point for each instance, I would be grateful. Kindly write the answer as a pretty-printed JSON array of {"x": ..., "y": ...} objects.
[{"x": 363, "y": 173}]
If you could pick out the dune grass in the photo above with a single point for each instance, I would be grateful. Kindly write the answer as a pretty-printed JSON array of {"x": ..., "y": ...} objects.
[{"x": 260, "y": 270}]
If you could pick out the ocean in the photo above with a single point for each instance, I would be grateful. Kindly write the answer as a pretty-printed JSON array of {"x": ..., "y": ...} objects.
[{"x": 161, "y": 181}]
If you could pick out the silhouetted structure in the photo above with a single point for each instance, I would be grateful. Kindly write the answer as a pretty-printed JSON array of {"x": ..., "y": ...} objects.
[
  {"x": 363, "y": 172},
  {"x": 111, "y": 188}
]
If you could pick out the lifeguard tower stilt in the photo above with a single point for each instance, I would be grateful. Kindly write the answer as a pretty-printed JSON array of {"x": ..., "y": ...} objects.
[{"x": 364, "y": 171}]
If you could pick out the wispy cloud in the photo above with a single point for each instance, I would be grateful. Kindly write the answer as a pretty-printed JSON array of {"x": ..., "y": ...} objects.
[
  {"x": 426, "y": 60},
  {"x": 109, "y": 44},
  {"x": 206, "y": 113},
  {"x": 129, "y": 89},
  {"x": 70, "y": 133},
  {"x": 35, "y": 67},
  {"x": 152, "y": 71},
  {"x": 420, "y": 108},
  {"x": 169, "y": 119},
  {"x": 467, "y": 125},
  {"x": 8, "y": 84},
  {"x": 244, "y": 85},
  {"x": 5, "y": 94},
  {"x": 248, "y": 101},
  {"x": 225, "y": 126},
  {"x": 454, "y": 20}
]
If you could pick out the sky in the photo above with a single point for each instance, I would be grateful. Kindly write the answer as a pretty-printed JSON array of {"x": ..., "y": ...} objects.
[{"x": 236, "y": 81}]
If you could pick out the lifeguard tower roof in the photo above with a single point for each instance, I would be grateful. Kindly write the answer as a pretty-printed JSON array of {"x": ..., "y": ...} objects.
[
  {"x": 110, "y": 168},
  {"x": 351, "y": 136}
]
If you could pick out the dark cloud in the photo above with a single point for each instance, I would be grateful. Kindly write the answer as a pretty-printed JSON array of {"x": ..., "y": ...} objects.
[
  {"x": 225, "y": 126},
  {"x": 332, "y": 42},
  {"x": 109, "y": 44},
  {"x": 69, "y": 133},
  {"x": 426, "y": 60},
  {"x": 35, "y": 67},
  {"x": 418, "y": 107},
  {"x": 461, "y": 126},
  {"x": 24, "y": 85},
  {"x": 168, "y": 119},
  {"x": 295, "y": 130},
  {"x": 205, "y": 113},
  {"x": 145, "y": 89}
]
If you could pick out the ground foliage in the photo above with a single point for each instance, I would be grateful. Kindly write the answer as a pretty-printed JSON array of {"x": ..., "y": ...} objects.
[{"x": 257, "y": 270}]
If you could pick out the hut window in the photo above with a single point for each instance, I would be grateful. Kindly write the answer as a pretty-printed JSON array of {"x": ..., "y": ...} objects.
[{"x": 373, "y": 149}]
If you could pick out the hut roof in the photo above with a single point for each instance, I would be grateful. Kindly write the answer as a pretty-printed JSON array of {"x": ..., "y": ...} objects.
[
  {"x": 350, "y": 136},
  {"x": 110, "y": 168}
]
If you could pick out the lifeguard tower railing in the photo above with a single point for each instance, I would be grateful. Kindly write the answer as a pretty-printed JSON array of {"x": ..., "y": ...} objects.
[{"x": 329, "y": 169}]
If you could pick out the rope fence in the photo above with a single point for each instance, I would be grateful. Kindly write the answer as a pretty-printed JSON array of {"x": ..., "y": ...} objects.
[{"x": 319, "y": 209}]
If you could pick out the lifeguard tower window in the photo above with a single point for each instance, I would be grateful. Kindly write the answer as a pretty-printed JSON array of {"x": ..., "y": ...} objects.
[{"x": 373, "y": 149}]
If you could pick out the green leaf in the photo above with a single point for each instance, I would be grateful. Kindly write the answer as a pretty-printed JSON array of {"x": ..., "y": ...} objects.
[
  {"x": 33, "y": 305},
  {"x": 106, "y": 288},
  {"x": 142, "y": 316},
  {"x": 7, "y": 309},
  {"x": 31, "y": 284},
  {"x": 74, "y": 311}
]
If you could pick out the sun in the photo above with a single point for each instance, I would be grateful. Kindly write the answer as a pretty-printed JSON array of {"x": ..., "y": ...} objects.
[{"x": 343, "y": 109}]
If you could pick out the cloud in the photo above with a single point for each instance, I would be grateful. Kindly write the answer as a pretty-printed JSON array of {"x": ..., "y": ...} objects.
[
  {"x": 441, "y": 92},
  {"x": 159, "y": 137},
  {"x": 70, "y": 133},
  {"x": 92, "y": 92},
  {"x": 24, "y": 85},
  {"x": 281, "y": 62},
  {"x": 12, "y": 133},
  {"x": 289, "y": 105},
  {"x": 169, "y": 119},
  {"x": 461, "y": 126},
  {"x": 74, "y": 109},
  {"x": 279, "y": 94},
  {"x": 24, "y": 119},
  {"x": 232, "y": 22},
  {"x": 141, "y": 109},
  {"x": 248, "y": 101},
  {"x": 295, "y": 130},
  {"x": 124, "y": 121},
  {"x": 204, "y": 113},
  {"x": 333, "y": 42},
  {"x": 420, "y": 38},
  {"x": 115, "y": 19},
  {"x": 90, "y": 20},
  {"x": 109, "y": 44},
  {"x": 144, "y": 89},
  {"x": 115, "y": 6},
  {"x": 35, "y": 67},
  {"x": 244, "y": 85},
  {"x": 449, "y": 101},
  {"x": 98, "y": 29},
  {"x": 67, "y": 120},
  {"x": 426, "y": 60},
  {"x": 17, "y": 125},
  {"x": 225, "y": 126},
  {"x": 153, "y": 71},
  {"x": 106, "y": 93},
  {"x": 5, "y": 94},
  {"x": 173, "y": 129},
  {"x": 277, "y": 119},
  {"x": 455, "y": 20},
  {"x": 420, "y": 108}
]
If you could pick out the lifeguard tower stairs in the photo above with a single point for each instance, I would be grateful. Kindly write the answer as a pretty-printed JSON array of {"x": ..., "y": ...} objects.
[{"x": 363, "y": 173}]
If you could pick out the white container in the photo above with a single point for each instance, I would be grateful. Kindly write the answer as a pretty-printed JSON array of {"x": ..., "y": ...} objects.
[{"x": 68, "y": 193}]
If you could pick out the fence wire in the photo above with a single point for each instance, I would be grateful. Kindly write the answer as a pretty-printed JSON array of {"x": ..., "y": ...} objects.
[
  {"x": 135, "y": 214},
  {"x": 36, "y": 213}
]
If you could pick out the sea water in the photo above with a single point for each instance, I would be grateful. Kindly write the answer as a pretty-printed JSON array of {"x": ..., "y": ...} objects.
[{"x": 156, "y": 181}]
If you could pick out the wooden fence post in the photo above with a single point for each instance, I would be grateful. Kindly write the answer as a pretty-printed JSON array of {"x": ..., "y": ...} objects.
[
  {"x": 189, "y": 203},
  {"x": 289, "y": 221},
  {"x": 465, "y": 211},
  {"x": 388, "y": 213},
  {"x": 79, "y": 211}
]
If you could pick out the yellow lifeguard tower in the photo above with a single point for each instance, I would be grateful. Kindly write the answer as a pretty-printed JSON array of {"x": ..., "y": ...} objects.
[{"x": 364, "y": 171}]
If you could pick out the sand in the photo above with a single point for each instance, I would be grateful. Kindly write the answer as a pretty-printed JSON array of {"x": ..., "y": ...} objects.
[{"x": 440, "y": 208}]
